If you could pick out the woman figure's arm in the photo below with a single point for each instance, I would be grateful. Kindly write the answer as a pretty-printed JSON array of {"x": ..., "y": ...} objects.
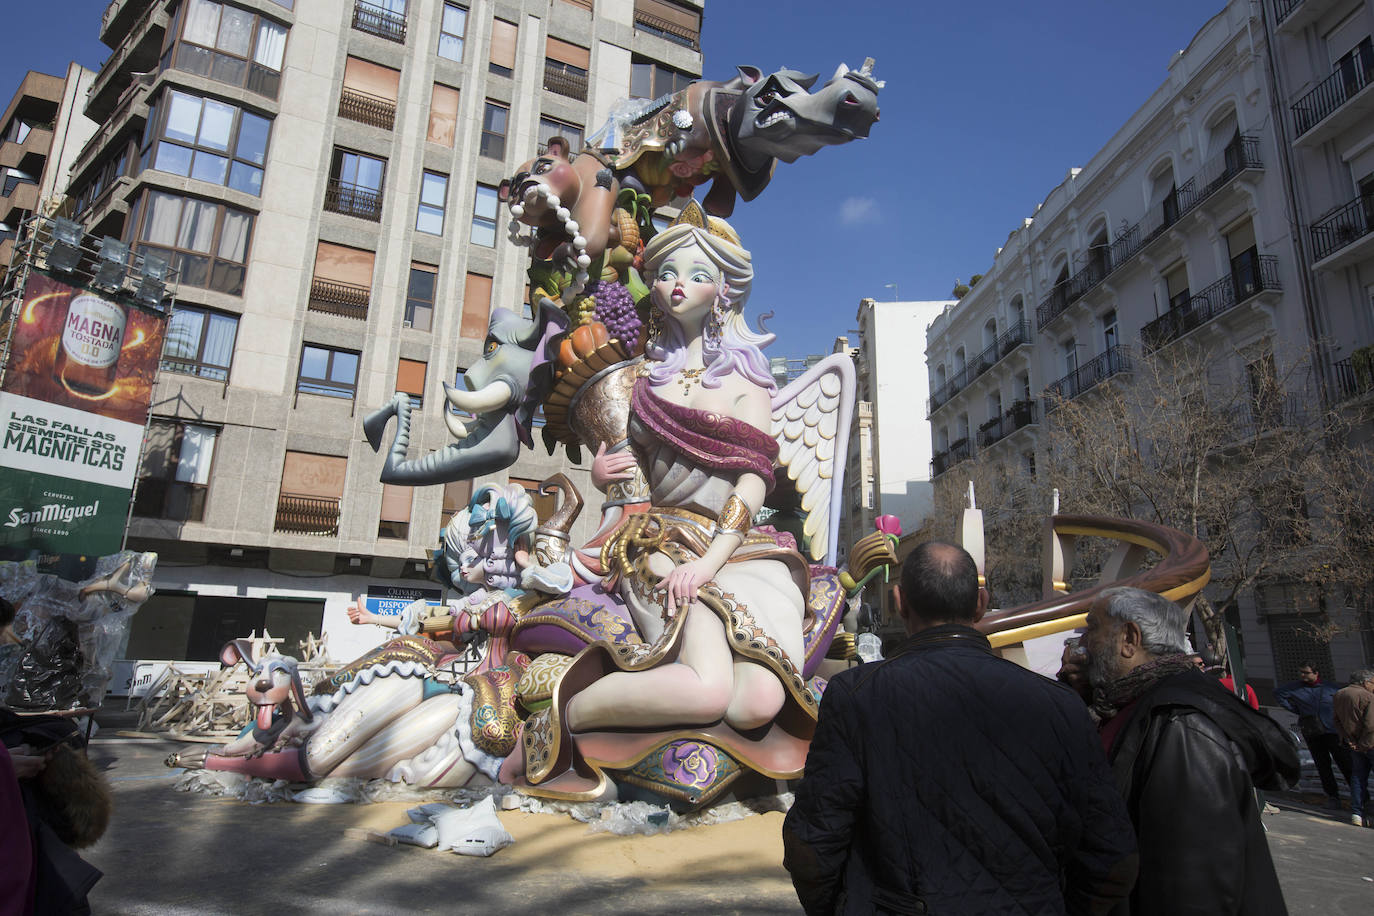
[{"x": 754, "y": 406}]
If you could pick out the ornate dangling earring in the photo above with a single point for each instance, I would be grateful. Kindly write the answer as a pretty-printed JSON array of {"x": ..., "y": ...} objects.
[
  {"x": 655, "y": 328},
  {"x": 716, "y": 325}
]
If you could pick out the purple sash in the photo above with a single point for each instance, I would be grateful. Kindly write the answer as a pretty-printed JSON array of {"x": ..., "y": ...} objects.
[{"x": 713, "y": 441}]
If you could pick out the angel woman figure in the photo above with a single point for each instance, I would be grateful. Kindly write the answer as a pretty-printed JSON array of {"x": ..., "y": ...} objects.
[{"x": 720, "y": 604}]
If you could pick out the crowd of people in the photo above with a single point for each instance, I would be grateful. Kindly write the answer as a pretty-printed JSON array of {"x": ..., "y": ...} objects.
[{"x": 945, "y": 779}]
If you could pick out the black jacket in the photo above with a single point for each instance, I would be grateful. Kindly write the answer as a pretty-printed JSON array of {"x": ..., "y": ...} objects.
[
  {"x": 946, "y": 780},
  {"x": 1187, "y": 762}
]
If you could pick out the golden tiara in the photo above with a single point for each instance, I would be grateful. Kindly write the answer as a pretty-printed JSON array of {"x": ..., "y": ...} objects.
[{"x": 693, "y": 215}]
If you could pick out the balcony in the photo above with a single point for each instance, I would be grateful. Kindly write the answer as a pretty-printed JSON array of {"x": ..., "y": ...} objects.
[
  {"x": 992, "y": 354},
  {"x": 1354, "y": 375},
  {"x": 380, "y": 22},
  {"x": 367, "y": 109},
  {"x": 307, "y": 515},
  {"x": 1088, "y": 376},
  {"x": 959, "y": 450},
  {"x": 1240, "y": 155},
  {"x": 17, "y": 201},
  {"x": 333, "y": 298},
  {"x": 1293, "y": 16},
  {"x": 1339, "y": 101},
  {"x": 1020, "y": 414},
  {"x": 138, "y": 52},
  {"x": 1343, "y": 236},
  {"x": 117, "y": 17},
  {"x": 353, "y": 200},
  {"x": 1251, "y": 276},
  {"x": 1262, "y": 415},
  {"x": 564, "y": 81},
  {"x": 30, "y": 155}
]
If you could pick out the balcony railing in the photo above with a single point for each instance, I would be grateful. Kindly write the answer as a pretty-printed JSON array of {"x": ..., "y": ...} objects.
[
  {"x": 347, "y": 299},
  {"x": 1350, "y": 76},
  {"x": 559, "y": 79},
  {"x": 1283, "y": 7},
  {"x": 380, "y": 22},
  {"x": 992, "y": 354},
  {"x": 307, "y": 515},
  {"x": 959, "y": 450},
  {"x": 1265, "y": 414},
  {"x": 1251, "y": 276},
  {"x": 367, "y": 109},
  {"x": 1354, "y": 375},
  {"x": 1336, "y": 230},
  {"x": 1240, "y": 155},
  {"x": 1087, "y": 376},
  {"x": 353, "y": 200},
  {"x": 1021, "y": 413}
]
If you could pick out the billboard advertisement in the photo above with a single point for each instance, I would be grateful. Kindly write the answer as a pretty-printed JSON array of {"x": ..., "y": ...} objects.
[{"x": 73, "y": 407}]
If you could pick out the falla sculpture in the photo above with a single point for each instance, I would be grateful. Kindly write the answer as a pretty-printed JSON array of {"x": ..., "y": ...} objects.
[{"x": 679, "y": 655}]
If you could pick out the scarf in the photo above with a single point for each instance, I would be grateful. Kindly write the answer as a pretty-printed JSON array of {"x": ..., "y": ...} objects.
[{"x": 1110, "y": 699}]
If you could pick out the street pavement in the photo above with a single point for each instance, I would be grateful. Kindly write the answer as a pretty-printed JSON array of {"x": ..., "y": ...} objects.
[{"x": 172, "y": 852}]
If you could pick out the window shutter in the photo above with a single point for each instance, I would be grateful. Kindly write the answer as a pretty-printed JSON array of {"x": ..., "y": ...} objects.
[
  {"x": 372, "y": 79},
  {"x": 476, "y": 307},
  {"x": 443, "y": 115},
  {"x": 566, "y": 53},
  {"x": 503, "y": 36},
  {"x": 321, "y": 476},
  {"x": 685, "y": 19},
  {"x": 343, "y": 264},
  {"x": 396, "y": 503},
  {"x": 410, "y": 378}
]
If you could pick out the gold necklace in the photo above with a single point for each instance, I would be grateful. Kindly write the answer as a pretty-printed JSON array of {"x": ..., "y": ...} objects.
[{"x": 689, "y": 377}]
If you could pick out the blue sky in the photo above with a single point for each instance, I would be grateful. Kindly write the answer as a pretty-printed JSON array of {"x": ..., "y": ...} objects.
[{"x": 987, "y": 106}]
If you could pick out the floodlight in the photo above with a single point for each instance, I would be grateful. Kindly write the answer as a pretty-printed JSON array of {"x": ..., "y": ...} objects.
[
  {"x": 114, "y": 262},
  {"x": 64, "y": 252},
  {"x": 151, "y": 287}
]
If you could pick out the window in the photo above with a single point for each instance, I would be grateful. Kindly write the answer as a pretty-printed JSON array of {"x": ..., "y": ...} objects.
[
  {"x": 311, "y": 488},
  {"x": 228, "y": 45},
  {"x": 355, "y": 185},
  {"x": 206, "y": 140},
  {"x": 544, "y": 506},
  {"x": 342, "y": 281},
  {"x": 565, "y": 68},
  {"x": 395, "y": 515},
  {"x": 460, "y": 382},
  {"x": 206, "y": 242},
  {"x": 503, "y": 36},
  {"x": 420, "y": 296},
  {"x": 326, "y": 371},
  {"x": 433, "y": 189},
  {"x": 174, "y": 475},
  {"x": 1109, "y": 338},
  {"x": 443, "y": 115},
  {"x": 484, "y": 219},
  {"x": 1244, "y": 256},
  {"x": 383, "y": 18},
  {"x": 552, "y": 127},
  {"x": 494, "y": 121},
  {"x": 476, "y": 307},
  {"x": 1176, "y": 285},
  {"x": 369, "y": 93},
  {"x": 457, "y": 495},
  {"x": 199, "y": 342},
  {"x": 452, "y": 28},
  {"x": 677, "y": 24},
  {"x": 410, "y": 379},
  {"x": 649, "y": 80},
  {"x": 1070, "y": 350}
]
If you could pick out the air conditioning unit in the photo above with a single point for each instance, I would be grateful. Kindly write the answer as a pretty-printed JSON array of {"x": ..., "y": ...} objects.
[{"x": 406, "y": 323}]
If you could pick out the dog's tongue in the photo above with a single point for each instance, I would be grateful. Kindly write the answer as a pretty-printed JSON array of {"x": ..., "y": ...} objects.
[{"x": 264, "y": 717}]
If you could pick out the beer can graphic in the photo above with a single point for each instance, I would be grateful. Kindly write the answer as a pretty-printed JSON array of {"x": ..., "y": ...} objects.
[{"x": 92, "y": 335}]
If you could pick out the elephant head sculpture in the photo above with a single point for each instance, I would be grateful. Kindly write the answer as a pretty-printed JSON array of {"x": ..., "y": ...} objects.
[{"x": 503, "y": 390}]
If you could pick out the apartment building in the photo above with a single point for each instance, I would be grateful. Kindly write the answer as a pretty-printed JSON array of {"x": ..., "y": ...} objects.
[
  {"x": 41, "y": 132},
  {"x": 1229, "y": 210},
  {"x": 323, "y": 177}
]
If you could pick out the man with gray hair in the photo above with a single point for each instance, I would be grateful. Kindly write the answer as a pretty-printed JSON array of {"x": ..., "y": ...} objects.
[
  {"x": 1186, "y": 755},
  {"x": 1354, "y": 711}
]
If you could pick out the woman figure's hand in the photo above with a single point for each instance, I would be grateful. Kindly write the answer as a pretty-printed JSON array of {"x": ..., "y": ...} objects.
[
  {"x": 681, "y": 585},
  {"x": 606, "y": 469},
  {"x": 359, "y": 614}
]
